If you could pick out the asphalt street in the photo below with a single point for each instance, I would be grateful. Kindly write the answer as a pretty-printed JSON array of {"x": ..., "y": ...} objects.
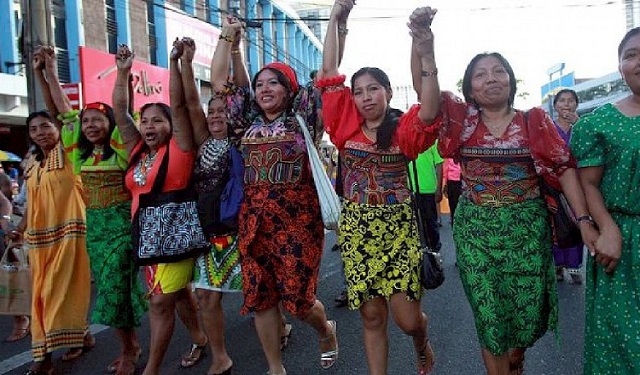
[{"x": 451, "y": 330}]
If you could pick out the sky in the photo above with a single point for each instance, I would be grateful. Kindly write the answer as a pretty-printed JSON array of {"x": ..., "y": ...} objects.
[{"x": 532, "y": 35}]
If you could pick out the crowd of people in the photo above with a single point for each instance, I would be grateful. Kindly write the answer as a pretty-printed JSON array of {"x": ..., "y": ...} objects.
[{"x": 93, "y": 172}]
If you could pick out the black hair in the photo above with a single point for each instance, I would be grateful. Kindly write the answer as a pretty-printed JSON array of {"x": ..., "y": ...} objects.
[
  {"x": 86, "y": 147},
  {"x": 565, "y": 91},
  {"x": 37, "y": 151},
  {"x": 630, "y": 34},
  {"x": 166, "y": 112},
  {"x": 313, "y": 74},
  {"x": 282, "y": 79},
  {"x": 466, "y": 79},
  {"x": 387, "y": 129}
]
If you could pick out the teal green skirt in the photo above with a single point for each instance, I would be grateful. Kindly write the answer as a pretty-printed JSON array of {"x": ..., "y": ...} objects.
[
  {"x": 120, "y": 300},
  {"x": 507, "y": 271}
]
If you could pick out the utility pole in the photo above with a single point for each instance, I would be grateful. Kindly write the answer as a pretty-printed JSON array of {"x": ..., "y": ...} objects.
[{"x": 37, "y": 31}]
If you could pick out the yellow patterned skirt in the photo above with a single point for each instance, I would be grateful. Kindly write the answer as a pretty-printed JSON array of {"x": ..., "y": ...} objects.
[{"x": 380, "y": 251}]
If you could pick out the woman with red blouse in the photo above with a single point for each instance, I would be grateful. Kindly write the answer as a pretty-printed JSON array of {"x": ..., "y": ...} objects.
[
  {"x": 502, "y": 234},
  {"x": 377, "y": 236}
]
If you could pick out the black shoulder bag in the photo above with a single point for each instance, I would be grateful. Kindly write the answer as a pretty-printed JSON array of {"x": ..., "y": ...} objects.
[
  {"x": 564, "y": 226},
  {"x": 431, "y": 270},
  {"x": 166, "y": 228}
]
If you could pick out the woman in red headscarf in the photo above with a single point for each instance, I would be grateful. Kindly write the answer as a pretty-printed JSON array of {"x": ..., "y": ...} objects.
[
  {"x": 280, "y": 227},
  {"x": 95, "y": 148}
]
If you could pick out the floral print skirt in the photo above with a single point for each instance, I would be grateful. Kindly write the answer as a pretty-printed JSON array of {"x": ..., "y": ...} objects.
[
  {"x": 380, "y": 251},
  {"x": 507, "y": 271}
]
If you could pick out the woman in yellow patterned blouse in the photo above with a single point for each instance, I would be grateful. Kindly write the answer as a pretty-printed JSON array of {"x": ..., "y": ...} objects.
[{"x": 93, "y": 144}]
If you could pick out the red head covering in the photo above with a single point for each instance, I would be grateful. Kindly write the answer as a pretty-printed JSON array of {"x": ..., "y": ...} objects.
[
  {"x": 287, "y": 71},
  {"x": 96, "y": 105}
]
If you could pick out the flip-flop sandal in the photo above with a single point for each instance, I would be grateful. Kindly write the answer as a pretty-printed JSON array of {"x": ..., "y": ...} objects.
[
  {"x": 286, "y": 334},
  {"x": 196, "y": 354},
  {"x": 425, "y": 353}
]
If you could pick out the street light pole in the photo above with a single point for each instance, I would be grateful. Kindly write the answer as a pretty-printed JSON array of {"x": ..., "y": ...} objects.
[{"x": 37, "y": 31}]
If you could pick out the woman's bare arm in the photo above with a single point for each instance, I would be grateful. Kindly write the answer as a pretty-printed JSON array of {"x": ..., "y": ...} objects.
[
  {"x": 179, "y": 115},
  {"x": 120, "y": 98}
]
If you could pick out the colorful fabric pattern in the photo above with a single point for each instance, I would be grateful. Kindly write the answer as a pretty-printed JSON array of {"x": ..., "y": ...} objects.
[
  {"x": 380, "y": 251},
  {"x": 219, "y": 269},
  {"x": 372, "y": 176},
  {"x": 165, "y": 278},
  {"x": 119, "y": 298},
  {"x": 507, "y": 272},
  {"x": 343, "y": 121},
  {"x": 280, "y": 228},
  {"x": 56, "y": 234},
  {"x": 502, "y": 234},
  {"x": 607, "y": 138}
]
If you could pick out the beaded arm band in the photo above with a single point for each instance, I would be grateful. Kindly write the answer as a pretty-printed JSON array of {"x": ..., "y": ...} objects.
[{"x": 429, "y": 73}]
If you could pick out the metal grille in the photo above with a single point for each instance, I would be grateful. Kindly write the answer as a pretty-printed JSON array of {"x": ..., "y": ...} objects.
[{"x": 62, "y": 57}]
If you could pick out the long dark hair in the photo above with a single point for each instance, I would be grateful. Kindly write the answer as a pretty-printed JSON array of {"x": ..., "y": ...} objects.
[
  {"x": 86, "y": 147},
  {"x": 387, "y": 129},
  {"x": 37, "y": 150},
  {"x": 630, "y": 34},
  {"x": 466, "y": 79},
  {"x": 166, "y": 111}
]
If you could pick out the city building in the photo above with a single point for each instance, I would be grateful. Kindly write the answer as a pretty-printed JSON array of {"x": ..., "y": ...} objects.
[{"x": 86, "y": 35}]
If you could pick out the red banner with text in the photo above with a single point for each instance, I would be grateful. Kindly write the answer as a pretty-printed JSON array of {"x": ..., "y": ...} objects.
[{"x": 98, "y": 76}]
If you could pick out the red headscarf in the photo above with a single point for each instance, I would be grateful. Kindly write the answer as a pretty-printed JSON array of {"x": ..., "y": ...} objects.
[
  {"x": 287, "y": 71},
  {"x": 96, "y": 105}
]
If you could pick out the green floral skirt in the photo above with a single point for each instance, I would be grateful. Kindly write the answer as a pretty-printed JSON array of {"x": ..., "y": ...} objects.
[
  {"x": 507, "y": 271},
  {"x": 380, "y": 251},
  {"x": 120, "y": 300}
]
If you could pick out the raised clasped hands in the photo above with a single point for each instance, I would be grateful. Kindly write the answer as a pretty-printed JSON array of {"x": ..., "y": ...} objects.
[
  {"x": 177, "y": 50},
  {"x": 420, "y": 30},
  {"x": 37, "y": 61},
  {"x": 341, "y": 10},
  {"x": 188, "y": 49},
  {"x": 124, "y": 57},
  {"x": 232, "y": 27}
]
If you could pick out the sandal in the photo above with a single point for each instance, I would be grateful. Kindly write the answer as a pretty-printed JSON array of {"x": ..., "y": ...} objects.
[
  {"x": 516, "y": 362},
  {"x": 285, "y": 335},
  {"x": 196, "y": 354},
  {"x": 329, "y": 358},
  {"x": 20, "y": 331},
  {"x": 113, "y": 367},
  {"x": 425, "y": 358},
  {"x": 88, "y": 343}
]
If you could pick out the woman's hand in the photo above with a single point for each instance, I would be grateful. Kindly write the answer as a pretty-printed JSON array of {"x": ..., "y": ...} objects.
[
  {"x": 589, "y": 235},
  {"x": 571, "y": 117},
  {"x": 50, "y": 62},
  {"x": 124, "y": 58},
  {"x": 341, "y": 10},
  {"x": 177, "y": 50},
  {"x": 609, "y": 248},
  {"x": 38, "y": 59},
  {"x": 420, "y": 30},
  {"x": 188, "y": 50}
]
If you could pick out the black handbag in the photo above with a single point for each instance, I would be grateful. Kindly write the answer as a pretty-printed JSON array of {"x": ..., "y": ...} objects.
[
  {"x": 564, "y": 225},
  {"x": 166, "y": 228},
  {"x": 431, "y": 270}
]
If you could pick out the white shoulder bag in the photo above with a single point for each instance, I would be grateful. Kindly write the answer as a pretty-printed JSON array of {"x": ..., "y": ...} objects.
[{"x": 329, "y": 203}]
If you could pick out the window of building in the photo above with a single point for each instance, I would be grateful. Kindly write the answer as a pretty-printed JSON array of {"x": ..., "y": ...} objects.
[
  {"x": 151, "y": 31},
  {"x": 112, "y": 26},
  {"x": 60, "y": 39}
]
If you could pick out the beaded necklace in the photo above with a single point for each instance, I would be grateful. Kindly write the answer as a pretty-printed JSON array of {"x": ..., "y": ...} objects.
[{"x": 142, "y": 168}]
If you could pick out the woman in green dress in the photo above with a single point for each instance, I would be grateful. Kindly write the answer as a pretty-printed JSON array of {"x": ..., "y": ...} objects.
[
  {"x": 606, "y": 144},
  {"x": 93, "y": 143}
]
